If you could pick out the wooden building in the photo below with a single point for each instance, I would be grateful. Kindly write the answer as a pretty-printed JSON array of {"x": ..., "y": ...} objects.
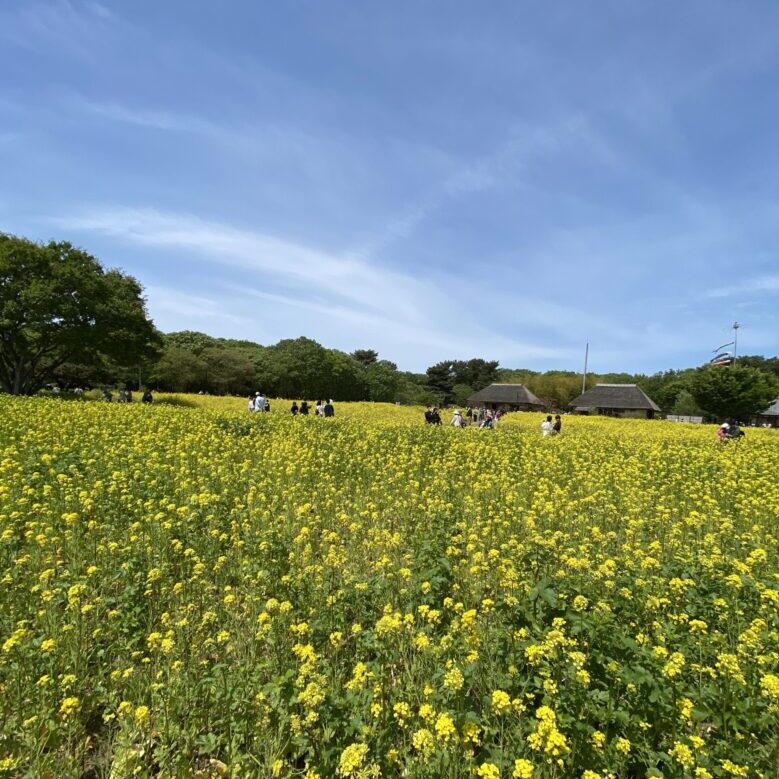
[
  {"x": 616, "y": 400},
  {"x": 770, "y": 416},
  {"x": 506, "y": 397}
]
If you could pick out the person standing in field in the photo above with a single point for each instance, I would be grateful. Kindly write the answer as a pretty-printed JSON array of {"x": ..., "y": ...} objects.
[
  {"x": 259, "y": 402},
  {"x": 251, "y": 403},
  {"x": 320, "y": 408},
  {"x": 547, "y": 427},
  {"x": 457, "y": 419},
  {"x": 735, "y": 431},
  {"x": 147, "y": 397},
  {"x": 557, "y": 427},
  {"x": 304, "y": 408},
  {"x": 294, "y": 410},
  {"x": 328, "y": 410}
]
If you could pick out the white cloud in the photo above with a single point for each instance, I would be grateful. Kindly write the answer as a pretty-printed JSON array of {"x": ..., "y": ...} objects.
[
  {"x": 756, "y": 286},
  {"x": 295, "y": 264},
  {"x": 192, "y": 308},
  {"x": 371, "y": 301},
  {"x": 158, "y": 120}
]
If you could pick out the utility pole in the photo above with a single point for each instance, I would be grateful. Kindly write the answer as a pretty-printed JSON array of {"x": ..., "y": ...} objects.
[
  {"x": 584, "y": 375},
  {"x": 736, "y": 326}
]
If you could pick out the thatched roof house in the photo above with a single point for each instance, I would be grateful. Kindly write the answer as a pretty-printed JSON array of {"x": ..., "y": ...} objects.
[
  {"x": 505, "y": 397},
  {"x": 770, "y": 415},
  {"x": 616, "y": 400}
]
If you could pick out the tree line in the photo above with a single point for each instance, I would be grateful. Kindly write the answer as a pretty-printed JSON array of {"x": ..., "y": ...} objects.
[
  {"x": 707, "y": 391},
  {"x": 65, "y": 319},
  {"x": 292, "y": 368}
]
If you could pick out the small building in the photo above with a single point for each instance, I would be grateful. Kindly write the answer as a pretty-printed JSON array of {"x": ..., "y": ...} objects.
[
  {"x": 506, "y": 397},
  {"x": 695, "y": 420},
  {"x": 770, "y": 416},
  {"x": 616, "y": 400}
]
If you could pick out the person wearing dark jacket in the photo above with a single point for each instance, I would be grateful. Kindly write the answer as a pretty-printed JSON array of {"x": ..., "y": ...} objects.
[
  {"x": 294, "y": 410},
  {"x": 147, "y": 398},
  {"x": 328, "y": 410},
  {"x": 304, "y": 408}
]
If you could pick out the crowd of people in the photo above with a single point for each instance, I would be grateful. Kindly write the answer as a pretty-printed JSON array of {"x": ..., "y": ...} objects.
[
  {"x": 487, "y": 419},
  {"x": 322, "y": 408},
  {"x": 482, "y": 418},
  {"x": 125, "y": 396}
]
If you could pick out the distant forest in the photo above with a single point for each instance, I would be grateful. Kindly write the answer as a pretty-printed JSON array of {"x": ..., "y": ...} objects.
[
  {"x": 66, "y": 320},
  {"x": 301, "y": 368}
]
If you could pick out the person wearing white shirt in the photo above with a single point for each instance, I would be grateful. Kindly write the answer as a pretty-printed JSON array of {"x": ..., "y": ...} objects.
[{"x": 547, "y": 427}]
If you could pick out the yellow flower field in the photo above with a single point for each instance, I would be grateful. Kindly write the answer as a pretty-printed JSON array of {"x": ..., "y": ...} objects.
[{"x": 197, "y": 591}]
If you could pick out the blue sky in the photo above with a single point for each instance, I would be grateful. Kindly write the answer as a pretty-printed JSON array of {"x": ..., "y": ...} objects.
[{"x": 430, "y": 179}]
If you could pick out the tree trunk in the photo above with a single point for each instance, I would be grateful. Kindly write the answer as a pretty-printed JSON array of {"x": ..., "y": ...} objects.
[{"x": 16, "y": 389}]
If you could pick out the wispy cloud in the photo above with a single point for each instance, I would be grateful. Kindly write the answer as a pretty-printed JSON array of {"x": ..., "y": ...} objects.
[
  {"x": 411, "y": 309},
  {"x": 76, "y": 28},
  {"x": 755, "y": 286},
  {"x": 193, "y": 308},
  {"x": 289, "y": 262},
  {"x": 469, "y": 177},
  {"x": 444, "y": 337},
  {"x": 144, "y": 117},
  {"x": 510, "y": 192}
]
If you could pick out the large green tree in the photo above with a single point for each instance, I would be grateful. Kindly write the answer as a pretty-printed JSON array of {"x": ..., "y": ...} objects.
[
  {"x": 686, "y": 406},
  {"x": 768, "y": 364},
  {"x": 440, "y": 381},
  {"x": 179, "y": 370},
  {"x": 301, "y": 368},
  {"x": 739, "y": 392},
  {"x": 476, "y": 373},
  {"x": 558, "y": 388},
  {"x": 227, "y": 371},
  {"x": 59, "y": 305},
  {"x": 382, "y": 381},
  {"x": 365, "y": 356}
]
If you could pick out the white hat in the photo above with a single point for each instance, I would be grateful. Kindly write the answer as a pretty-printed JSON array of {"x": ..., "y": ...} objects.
[{"x": 725, "y": 425}]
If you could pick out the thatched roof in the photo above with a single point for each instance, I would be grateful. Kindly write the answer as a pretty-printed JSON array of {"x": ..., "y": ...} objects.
[
  {"x": 772, "y": 410},
  {"x": 510, "y": 394},
  {"x": 627, "y": 396}
]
